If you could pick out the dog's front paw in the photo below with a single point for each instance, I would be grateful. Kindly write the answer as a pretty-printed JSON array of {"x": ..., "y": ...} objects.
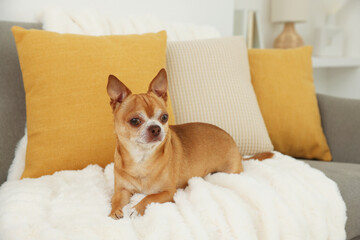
[
  {"x": 116, "y": 214},
  {"x": 133, "y": 213},
  {"x": 140, "y": 208}
]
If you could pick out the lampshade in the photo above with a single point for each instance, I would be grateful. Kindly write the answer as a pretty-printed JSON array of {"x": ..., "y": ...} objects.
[{"x": 289, "y": 10}]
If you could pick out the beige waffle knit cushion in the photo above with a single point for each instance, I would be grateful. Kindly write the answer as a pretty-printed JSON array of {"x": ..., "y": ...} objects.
[{"x": 209, "y": 81}]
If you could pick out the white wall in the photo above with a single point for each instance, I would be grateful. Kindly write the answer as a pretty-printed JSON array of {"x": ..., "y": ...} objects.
[
  {"x": 342, "y": 82},
  {"x": 218, "y": 13}
]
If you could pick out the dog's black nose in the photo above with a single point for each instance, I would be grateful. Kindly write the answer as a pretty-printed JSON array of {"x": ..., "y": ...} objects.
[{"x": 154, "y": 130}]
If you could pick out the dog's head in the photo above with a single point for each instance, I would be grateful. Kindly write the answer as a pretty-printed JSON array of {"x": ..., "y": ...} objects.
[{"x": 140, "y": 119}]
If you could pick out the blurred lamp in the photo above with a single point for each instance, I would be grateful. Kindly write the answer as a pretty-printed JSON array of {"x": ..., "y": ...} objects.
[{"x": 289, "y": 12}]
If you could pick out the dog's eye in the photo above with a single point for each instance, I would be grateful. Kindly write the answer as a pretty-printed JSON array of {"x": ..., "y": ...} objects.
[
  {"x": 135, "y": 121},
  {"x": 164, "y": 118}
]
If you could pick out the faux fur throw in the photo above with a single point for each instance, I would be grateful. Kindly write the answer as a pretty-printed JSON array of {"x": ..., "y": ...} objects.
[{"x": 279, "y": 198}]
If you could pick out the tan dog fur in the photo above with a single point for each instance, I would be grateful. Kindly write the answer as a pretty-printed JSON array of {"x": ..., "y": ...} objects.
[{"x": 158, "y": 165}]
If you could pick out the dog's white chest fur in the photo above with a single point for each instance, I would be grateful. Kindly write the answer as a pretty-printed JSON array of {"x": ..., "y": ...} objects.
[{"x": 140, "y": 153}]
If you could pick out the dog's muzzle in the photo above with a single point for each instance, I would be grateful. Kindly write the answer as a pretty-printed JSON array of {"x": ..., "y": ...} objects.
[{"x": 154, "y": 131}]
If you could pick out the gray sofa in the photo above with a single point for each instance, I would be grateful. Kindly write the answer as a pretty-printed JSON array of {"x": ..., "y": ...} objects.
[{"x": 340, "y": 120}]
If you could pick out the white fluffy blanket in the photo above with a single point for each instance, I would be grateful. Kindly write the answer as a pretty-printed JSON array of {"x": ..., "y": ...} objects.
[{"x": 280, "y": 198}]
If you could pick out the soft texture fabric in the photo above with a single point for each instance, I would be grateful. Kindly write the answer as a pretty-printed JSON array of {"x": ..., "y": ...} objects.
[
  {"x": 18, "y": 165},
  {"x": 69, "y": 120},
  {"x": 209, "y": 81},
  {"x": 340, "y": 119},
  {"x": 347, "y": 177},
  {"x": 280, "y": 198},
  {"x": 12, "y": 97},
  {"x": 91, "y": 22},
  {"x": 284, "y": 87}
]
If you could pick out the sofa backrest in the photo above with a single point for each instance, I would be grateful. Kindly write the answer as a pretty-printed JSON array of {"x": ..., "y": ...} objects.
[
  {"x": 12, "y": 96},
  {"x": 340, "y": 119}
]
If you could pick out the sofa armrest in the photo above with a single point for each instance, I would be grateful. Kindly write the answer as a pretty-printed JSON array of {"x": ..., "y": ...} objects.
[{"x": 340, "y": 119}]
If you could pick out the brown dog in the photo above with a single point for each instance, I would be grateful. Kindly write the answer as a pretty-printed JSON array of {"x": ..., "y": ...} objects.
[{"x": 154, "y": 158}]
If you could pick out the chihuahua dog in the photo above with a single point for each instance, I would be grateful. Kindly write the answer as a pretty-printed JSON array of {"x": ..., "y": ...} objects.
[{"x": 154, "y": 158}]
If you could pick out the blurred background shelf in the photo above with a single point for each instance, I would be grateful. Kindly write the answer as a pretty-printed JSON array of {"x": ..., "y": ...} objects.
[{"x": 335, "y": 62}]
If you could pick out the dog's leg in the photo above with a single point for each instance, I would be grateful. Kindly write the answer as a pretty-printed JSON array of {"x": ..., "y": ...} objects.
[
  {"x": 233, "y": 165},
  {"x": 118, "y": 201},
  {"x": 166, "y": 196}
]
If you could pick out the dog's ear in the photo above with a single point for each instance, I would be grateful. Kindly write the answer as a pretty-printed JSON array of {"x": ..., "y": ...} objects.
[
  {"x": 159, "y": 85},
  {"x": 117, "y": 91}
]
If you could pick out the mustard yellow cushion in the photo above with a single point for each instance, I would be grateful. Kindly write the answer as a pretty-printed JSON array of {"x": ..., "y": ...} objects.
[
  {"x": 69, "y": 119},
  {"x": 284, "y": 86}
]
